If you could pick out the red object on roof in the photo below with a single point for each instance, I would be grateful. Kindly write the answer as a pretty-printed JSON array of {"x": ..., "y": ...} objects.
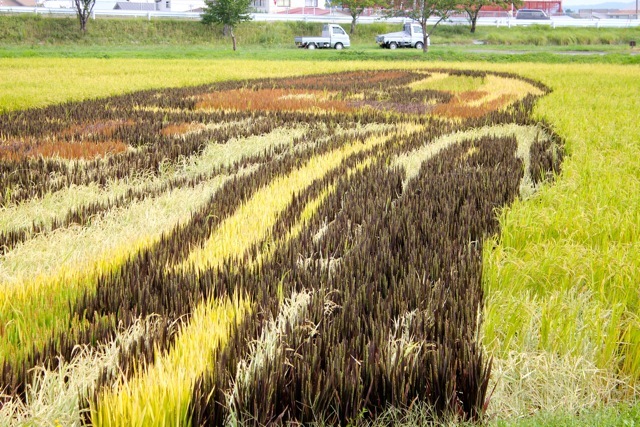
[{"x": 551, "y": 7}]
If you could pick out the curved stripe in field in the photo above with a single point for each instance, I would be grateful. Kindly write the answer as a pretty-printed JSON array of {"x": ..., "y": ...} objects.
[
  {"x": 525, "y": 135},
  {"x": 255, "y": 218}
]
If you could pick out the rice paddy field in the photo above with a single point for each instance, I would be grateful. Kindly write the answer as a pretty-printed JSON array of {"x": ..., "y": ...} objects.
[{"x": 238, "y": 242}]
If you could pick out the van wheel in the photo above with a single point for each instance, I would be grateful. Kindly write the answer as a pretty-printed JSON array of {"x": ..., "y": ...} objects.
[
  {"x": 338, "y": 46},
  {"x": 419, "y": 45},
  {"x": 393, "y": 45},
  {"x": 311, "y": 46}
]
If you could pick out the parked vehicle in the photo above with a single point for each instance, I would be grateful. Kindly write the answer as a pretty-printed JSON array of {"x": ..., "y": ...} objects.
[
  {"x": 532, "y": 14},
  {"x": 333, "y": 35},
  {"x": 410, "y": 36}
]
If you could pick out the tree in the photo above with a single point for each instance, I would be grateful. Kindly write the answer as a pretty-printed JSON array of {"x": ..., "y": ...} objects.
[
  {"x": 356, "y": 7},
  {"x": 422, "y": 10},
  {"x": 229, "y": 13},
  {"x": 83, "y": 11},
  {"x": 472, "y": 8}
]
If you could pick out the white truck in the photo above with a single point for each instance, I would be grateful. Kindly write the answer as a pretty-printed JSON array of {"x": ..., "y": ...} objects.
[
  {"x": 410, "y": 36},
  {"x": 333, "y": 35}
]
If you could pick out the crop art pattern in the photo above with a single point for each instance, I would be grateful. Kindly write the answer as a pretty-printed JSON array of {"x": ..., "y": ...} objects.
[{"x": 259, "y": 252}]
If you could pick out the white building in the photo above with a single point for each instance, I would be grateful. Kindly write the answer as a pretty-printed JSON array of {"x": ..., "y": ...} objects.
[{"x": 310, "y": 7}]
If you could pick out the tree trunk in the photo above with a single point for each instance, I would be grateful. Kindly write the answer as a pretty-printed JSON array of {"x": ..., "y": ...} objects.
[
  {"x": 233, "y": 39},
  {"x": 353, "y": 23},
  {"x": 425, "y": 38},
  {"x": 83, "y": 16},
  {"x": 225, "y": 30},
  {"x": 473, "y": 23}
]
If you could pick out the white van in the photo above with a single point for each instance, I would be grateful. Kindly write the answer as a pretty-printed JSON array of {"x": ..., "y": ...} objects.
[{"x": 532, "y": 14}]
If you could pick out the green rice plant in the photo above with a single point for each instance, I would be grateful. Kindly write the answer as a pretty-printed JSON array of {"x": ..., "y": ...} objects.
[{"x": 560, "y": 279}]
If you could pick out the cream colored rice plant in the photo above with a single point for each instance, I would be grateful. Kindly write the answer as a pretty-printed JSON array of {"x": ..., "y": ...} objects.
[
  {"x": 55, "y": 397},
  {"x": 268, "y": 346}
]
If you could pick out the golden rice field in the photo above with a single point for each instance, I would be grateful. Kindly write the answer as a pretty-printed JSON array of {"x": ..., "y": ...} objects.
[{"x": 247, "y": 243}]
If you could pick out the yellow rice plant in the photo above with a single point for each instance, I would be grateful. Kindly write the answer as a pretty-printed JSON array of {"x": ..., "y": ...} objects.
[
  {"x": 160, "y": 396},
  {"x": 498, "y": 87},
  {"x": 448, "y": 83}
]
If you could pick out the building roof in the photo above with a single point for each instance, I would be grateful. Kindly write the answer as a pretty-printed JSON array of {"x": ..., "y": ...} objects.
[
  {"x": 622, "y": 12},
  {"x": 128, "y": 5}
]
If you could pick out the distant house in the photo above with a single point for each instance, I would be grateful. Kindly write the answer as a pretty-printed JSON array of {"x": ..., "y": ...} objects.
[{"x": 550, "y": 7}]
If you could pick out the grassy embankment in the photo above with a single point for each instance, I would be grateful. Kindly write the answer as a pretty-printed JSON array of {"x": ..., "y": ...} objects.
[
  {"x": 568, "y": 255},
  {"x": 34, "y": 36}
]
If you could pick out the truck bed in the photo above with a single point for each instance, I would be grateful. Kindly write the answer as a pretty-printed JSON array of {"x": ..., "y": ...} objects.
[{"x": 312, "y": 39}]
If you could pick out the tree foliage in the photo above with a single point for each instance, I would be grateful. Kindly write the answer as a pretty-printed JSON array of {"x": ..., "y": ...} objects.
[
  {"x": 472, "y": 8},
  {"x": 83, "y": 11},
  {"x": 421, "y": 11},
  {"x": 229, "y": 13},
  {"x": 356, "y": 7}
]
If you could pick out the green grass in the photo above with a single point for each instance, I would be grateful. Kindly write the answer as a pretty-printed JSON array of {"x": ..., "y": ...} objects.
[
  {"x": 363, "y": 52},
  {"x": 612, "y": 416}
]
